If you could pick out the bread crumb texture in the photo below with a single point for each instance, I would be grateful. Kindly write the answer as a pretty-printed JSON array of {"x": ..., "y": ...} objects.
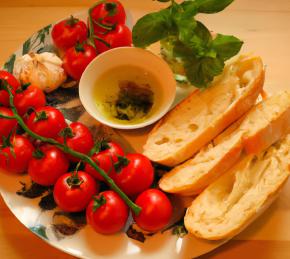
[
  {"x": 206, "y": 113},
  {"x": 233, "y": 201},
  {"x": 263, "y": 125}
]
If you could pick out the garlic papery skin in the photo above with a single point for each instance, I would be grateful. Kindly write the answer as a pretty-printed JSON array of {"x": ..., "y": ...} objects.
[{"x": 44, "y": 70}]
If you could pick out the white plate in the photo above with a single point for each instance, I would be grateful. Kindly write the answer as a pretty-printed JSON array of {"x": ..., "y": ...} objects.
[{"x": 86, "y": 243}]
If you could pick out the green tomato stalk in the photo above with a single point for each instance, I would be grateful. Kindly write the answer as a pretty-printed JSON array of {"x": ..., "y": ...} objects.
[
  {"x": 136, "y": 209},
  {"x": 92, "y": 35}
]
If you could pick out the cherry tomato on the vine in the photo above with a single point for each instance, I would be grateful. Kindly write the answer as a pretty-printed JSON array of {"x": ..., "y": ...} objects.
[
  {"x": 78, "y": 137},
  {"x": 46, "y": 121},
  {"x": 67, "y": 33},
  {"x": 77, "y": 58},
  {"x": 16, "y": 154},
  {"x": 107, "y": 14},
  {"x": 30, "y": 96},
  {"x": 12, "y": 82},
  {"x": 105, "y": 159},
  {"x": 73, "y": 191},
  {"x": 136, "y": 176},
  {"x": 120, "y": 36},
  {"x": 107, "y": 213},
  {"x": 47, "y": 165},
  {"x": 6, "y": 125},
  {"x": 156, "y": 210}
]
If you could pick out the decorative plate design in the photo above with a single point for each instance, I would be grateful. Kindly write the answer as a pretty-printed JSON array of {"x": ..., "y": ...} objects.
[{"x": 69, "y": 232}]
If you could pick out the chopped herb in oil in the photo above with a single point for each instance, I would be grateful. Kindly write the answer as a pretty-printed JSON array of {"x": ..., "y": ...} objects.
[{"x": 133, "y": 101}]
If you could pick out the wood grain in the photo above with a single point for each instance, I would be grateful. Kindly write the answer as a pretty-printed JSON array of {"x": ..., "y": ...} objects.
[{"x": 262, "y": 24}]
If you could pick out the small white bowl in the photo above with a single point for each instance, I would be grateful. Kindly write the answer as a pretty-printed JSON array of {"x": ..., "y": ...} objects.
[{"x": 127, "y": 56}]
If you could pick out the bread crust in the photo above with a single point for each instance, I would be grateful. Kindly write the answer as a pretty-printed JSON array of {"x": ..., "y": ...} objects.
[
  {"x": 268, "y": 135},
  {"x": 248, "y": 203},
  {"x": 262, "y": 126},
  {"x": 239, "y": 228},
  {"x": 234, "y": 112},
  {"x": 167, "y": 184}
]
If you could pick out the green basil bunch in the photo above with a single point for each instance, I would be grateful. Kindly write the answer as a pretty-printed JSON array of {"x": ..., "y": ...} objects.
[{"x": 201, "y": 55}]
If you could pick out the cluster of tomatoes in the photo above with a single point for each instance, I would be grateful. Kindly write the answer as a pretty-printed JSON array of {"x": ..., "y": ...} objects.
[
  {"x": 77, "y": 191},
  {"x": 81, "y": 43}
]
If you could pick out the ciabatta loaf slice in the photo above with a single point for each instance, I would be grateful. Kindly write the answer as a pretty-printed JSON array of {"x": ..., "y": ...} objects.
[
  {"x": 204, "y": 114},
  {"x": 263, "y": 125},
  {"x": 239, "y": 196}
]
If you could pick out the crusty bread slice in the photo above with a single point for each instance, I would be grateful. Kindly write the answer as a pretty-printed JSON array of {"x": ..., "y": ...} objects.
[
  {"x": 204, "y": 114},
  {"x": 234, "y": 200},
  {"x": 262, "y": 126}
]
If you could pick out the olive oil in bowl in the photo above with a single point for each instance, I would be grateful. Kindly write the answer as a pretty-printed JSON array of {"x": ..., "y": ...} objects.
[
  {"x": 127, "y": 94},
  {"x": 127, "y": 88}
]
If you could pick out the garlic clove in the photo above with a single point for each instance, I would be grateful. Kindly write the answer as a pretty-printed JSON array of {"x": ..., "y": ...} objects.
[{"x": 44, "y": 70}]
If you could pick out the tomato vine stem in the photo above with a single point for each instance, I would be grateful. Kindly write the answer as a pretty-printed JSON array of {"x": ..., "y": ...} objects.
[
  {"x": 92, "y": 35},
  {"x": 135, "y": 208},
  {"x": 2, "y": 116}
]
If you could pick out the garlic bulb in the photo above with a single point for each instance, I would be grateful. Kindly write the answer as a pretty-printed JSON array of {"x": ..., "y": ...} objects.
[{"x": 44, "y": 70}]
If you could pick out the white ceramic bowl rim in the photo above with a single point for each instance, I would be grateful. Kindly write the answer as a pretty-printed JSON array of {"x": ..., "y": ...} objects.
[{"x": 127, "y": 56}]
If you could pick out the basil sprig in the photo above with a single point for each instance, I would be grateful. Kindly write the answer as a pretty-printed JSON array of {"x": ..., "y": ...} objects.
[{"x": 202, "y": 55}]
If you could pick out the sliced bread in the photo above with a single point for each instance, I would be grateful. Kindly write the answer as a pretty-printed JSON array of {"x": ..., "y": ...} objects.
[
  {"x": 204, "y": 114},
  {"x": 262, "y": 126},
  {"x": 239, "y": 196}
]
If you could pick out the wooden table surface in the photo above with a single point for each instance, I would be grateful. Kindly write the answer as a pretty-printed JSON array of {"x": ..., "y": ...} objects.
[{"x": 264, "y": 25}]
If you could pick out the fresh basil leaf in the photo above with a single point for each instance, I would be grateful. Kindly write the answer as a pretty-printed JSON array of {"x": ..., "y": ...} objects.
[
  {"x": 202, "y": 32},
  {"x": 186, "y": 29},
  {"x": 212, "y": 6},
  {"x": 200, "y": 72},
  {"x": 226, "y": 46},
  {"x": 197, "y": 45},
  {"x": 184, "y": 20},
  {"x": 199, "y": 42},
  {"x": 189, "y": 5},
  {"x": 151, "y": 28},
  {"x": 187, "y": 41},
  {"x": 180, "y": 50}
]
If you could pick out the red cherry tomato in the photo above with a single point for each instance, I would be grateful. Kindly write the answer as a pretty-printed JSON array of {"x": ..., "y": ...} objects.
[
  {"x": 80, "y": 139},
  {"x": 46, "y": 121},
  {"x": 12, "y": 82},
  {"x": 105, "y": 159},
  {"x": 77, "y": 58},
  {"x": 15, "y": 158},
  {"x": 137, "y": 176},
  {"x": 47, "y": 165},
  {"x": 6, "y": 125},
  {"x": 121, "y": 36},
  {"x": 106, "y": 14},
  {"x": 107, "y": 213},
  {"x": 73, "y": 193},
  {"x": 31, "y": 97},
  {"x": 104, "y": 162},
  {"x": 67, "y": 33},
  {"x": 156, "y": 210}
]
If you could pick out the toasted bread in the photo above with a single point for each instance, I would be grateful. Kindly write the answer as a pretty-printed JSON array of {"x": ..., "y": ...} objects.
[
  {"x": 239, "y": 196},
  {"x": 263, "y": 125},
  {"x": 204, "y": 114}
]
